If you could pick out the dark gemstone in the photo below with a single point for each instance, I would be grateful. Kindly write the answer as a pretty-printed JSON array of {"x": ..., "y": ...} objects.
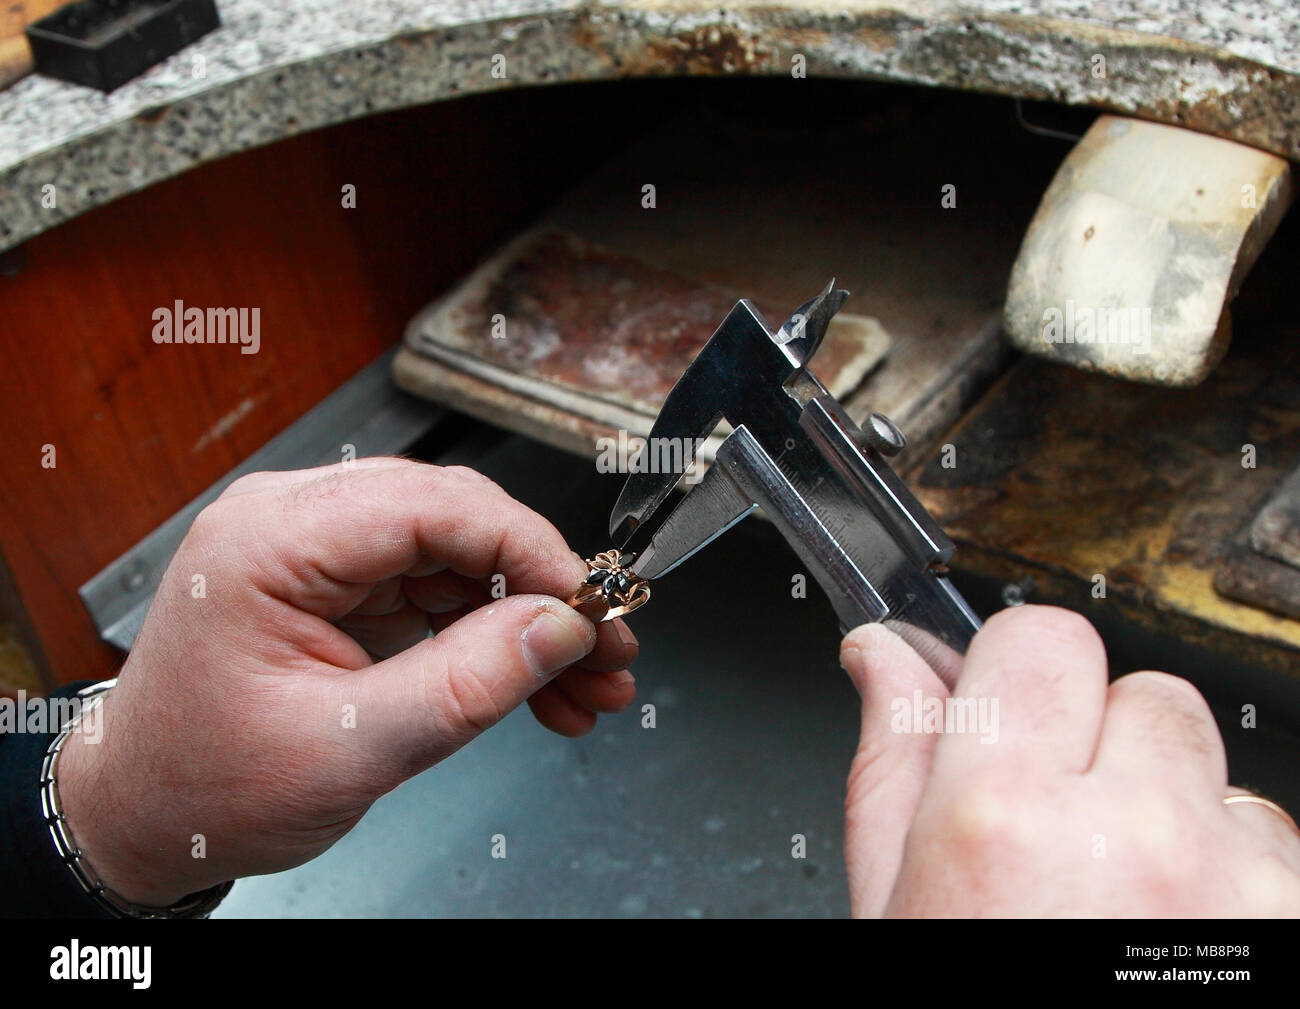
[{"x": 597, "y": 577}]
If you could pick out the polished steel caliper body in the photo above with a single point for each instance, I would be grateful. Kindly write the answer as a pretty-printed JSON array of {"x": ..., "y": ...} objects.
[{"x": 822, "y": 480}]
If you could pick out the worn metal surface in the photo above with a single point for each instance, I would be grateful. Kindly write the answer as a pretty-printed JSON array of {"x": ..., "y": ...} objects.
[
  {"x": 1068, "y": 478},
  {"x": 1276, "y": 529},
  {"x": 1262, "y": 566},
  {"x": 577, "y": 323},
  {"x": 1254, "y": 578},
  {"x": 1138, "y": 247},
  {"x": 275, "y": 70}
]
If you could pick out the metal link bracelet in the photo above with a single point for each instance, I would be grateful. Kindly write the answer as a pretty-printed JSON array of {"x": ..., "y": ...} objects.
[{"x": 196, "y": 905}]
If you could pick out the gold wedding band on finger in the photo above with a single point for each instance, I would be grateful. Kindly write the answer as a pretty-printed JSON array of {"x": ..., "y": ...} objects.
[{"x": 1259, "y": 800}]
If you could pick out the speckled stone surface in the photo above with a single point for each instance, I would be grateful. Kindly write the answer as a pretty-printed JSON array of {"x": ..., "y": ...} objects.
[{"x": 272, "y": 71}]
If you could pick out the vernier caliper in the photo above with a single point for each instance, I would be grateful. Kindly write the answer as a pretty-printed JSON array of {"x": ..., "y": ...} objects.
[{"x": 821, "y": 479}]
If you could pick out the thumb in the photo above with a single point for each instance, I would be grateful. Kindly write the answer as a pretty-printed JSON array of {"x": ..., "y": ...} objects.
[
  {"x": 431, "y": 699},
  {"x": 891, "y": 765}
]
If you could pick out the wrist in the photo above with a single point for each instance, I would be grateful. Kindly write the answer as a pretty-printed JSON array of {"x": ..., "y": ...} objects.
[{"x": 110, "y": 827}]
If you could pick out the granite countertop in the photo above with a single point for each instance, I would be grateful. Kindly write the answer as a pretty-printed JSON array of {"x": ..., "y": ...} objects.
[{"x": 272, "y": 71}]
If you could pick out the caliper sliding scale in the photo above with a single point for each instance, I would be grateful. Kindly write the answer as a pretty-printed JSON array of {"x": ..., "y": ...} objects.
[{"x": 821, "y": 479}]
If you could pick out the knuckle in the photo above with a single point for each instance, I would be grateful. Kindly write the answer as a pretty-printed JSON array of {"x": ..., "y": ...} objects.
[
  {"x": 1165, "y": 689},
  {"x": 1169, "y": 877},
  {"x": 458, "y": 698},
  {"x": 867, "y": 773},
  {"x": 1048, "y": 626},
  {"x": 466, "y": 474},
  {"x": 319, "y": 489},
  {"x": 1160, "y": 830},
  {"x": 208, "y": 522},
  {"x": 389, "y": 461},
  {"x": 470, "y": 702},
  {"x": 1177, "y": 714},
  {"x": 526, "y": 569},
  {"x": 863, "y": 779},
  {"x": 425, "y": 479},
  {"x": 244, "y": 483},
  {"x": 991, "y": 817},
  {"x": 1165, "y": 845}
]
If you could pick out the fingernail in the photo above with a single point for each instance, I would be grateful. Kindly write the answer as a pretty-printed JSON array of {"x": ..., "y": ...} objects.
[
  {"x": 631, "y": 647},
  {"x": 850, "y": 653},
  {"x": 555, "y": 640},
  {"x": 622, "y": 678}
]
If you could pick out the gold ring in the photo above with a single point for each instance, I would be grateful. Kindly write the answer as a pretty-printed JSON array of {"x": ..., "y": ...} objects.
[
  {"x": 609, "y": 590},
  {"x": 1259, "y": 800}
]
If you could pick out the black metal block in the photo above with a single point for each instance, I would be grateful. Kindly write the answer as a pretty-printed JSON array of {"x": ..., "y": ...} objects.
[{"x": 105, "y": 43}]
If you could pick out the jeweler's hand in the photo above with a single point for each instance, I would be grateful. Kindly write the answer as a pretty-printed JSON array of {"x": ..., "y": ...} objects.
[
  {"x": 284, "y": 678},
  {"x": 1085, "y": 800}
]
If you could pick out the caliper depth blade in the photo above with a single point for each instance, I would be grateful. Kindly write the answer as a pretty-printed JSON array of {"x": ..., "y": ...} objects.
[{"x": 707, "y": 511}]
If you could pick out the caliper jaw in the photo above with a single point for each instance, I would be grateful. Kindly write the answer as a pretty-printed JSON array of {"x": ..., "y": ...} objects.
[{"x": 822, "y": 480}]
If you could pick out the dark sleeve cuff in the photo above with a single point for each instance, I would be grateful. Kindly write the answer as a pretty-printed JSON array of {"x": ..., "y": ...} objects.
[{"x": 34, "y": 882}]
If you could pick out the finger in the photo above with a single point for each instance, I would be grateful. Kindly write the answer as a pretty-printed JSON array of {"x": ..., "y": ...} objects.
[
  {"x": 890, "y": 767},
  {"x": 439, "y": 622},
  {"x": 1158, "y": 728},
  {"x": 1041, "y": 671},
  {"x": 318, "y": 544},
  {"x": 444, "y": 592},
  {"x": 603, "y": 693},
  {"x": 447, "y": 593},
  {"x": 560, "y": 713},
  {"x": 616, "y": 648},
  {"x": 423, "y": 566},
  {"x": 386, "y": 634},
  {"x": 946, "y": 661},
  {"x": 252, "y": 483},
  {"x": 436, "y": 696},
  {"x": 1269, "y": 825},
  {"x": 383, "y": 597}
]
